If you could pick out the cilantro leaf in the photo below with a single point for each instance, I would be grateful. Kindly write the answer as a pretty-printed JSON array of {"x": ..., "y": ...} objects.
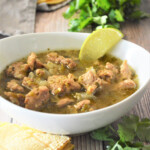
[
  {"x": 100, "y": 19},
  {"x": 143, "y": 130},
  {"x": 102, "y": 134},
  {"x": 121, "y": 2},
  {"x": 70, "y": 11},
  {"x": 112, "y": 15},
  {"x": 94, "y": 8},
  {"x": 104, "y": 4},
  {"x": 130, "y": 134},
  {"x": 80, "y": 3},
  {"x": 116, "y": 25},
  {"x": 136, "y": 2},
  {"x": 135, "y": 144},
  {"x": 127, "y": 128},
  {"x": 93, "y": 11},
  {"x": 118, "y": 16},
  {"x": 131, "y": 148},
  {"x": 84, "y": 23},
  {"x": 74, "y": 23},
  {"x": 117, "y": 146}
]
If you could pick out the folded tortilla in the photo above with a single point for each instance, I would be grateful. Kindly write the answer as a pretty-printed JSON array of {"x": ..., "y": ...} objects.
[
  {"x": 15, "y": 137},
  {"x": 50, "y": 1}
]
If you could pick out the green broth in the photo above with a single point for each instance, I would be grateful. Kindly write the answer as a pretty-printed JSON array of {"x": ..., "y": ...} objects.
[{"x": 102, "y": 99}]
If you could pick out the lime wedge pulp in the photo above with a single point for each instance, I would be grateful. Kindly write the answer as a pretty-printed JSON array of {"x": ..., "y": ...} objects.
[{"x": 98, "y": 43}]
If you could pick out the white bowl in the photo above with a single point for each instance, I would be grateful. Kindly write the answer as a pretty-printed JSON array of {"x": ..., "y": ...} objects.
[{"x": 16, "y": 47}]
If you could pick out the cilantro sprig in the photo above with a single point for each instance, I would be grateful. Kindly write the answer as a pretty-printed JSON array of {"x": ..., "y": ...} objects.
[
  {"x": 131, "y": 134},
  {"x": 102, "y": 13}
]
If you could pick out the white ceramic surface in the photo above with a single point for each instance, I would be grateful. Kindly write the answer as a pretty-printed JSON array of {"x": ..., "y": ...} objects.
[{"x": 14, "y": 48}]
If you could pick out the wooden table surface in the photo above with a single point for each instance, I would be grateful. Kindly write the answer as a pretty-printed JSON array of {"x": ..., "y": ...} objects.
[{"x": 137, "y": 32}]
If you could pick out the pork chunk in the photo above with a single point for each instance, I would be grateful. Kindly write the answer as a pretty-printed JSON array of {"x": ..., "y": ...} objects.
[
  {"x": 39, "y": 64},
  {"x": 17, "y": 70},
  {"x": 111, "y": 67},
  {"x": 90, "y": 81},
  {"x": 106, "y": 75},
  {"x": 125, "y": 70},
  {"x": 53, "y": 57},
  {"x": 37, "y": 98},
  {"x": 68, "y": 62},
  {"x": 127, "y": 84},
  {"x": 34, "y": 62},
  {"x": 42, "y": 73},
  {"x": 16, "y": 98},
  {"x": 61, "y": 84},
  {"x": 31, "y": 60},
  {"x": 82, "y": 103},
  {"x": 64, "y": 102},
  {"x": 109, "y": 73},
  {"x": 29, "y": 83},
  {"x": 14, "y": 86}
]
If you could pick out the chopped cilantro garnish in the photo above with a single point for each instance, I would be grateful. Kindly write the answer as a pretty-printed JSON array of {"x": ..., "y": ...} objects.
[
  {"x": 131, "y": 134},
  {"x": 102, "y": 13}
]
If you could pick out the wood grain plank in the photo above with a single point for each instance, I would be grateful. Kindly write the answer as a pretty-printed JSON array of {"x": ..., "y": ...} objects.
[{"x": 51, "y": 22}]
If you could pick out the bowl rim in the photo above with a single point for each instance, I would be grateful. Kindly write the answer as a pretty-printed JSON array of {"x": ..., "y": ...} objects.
[{"x": 78, "y": 114}]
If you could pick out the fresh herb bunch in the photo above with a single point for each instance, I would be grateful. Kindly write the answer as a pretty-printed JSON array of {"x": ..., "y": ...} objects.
[
  {"x": 130, "y": 134},
  {"x": 102, "y": 13}
]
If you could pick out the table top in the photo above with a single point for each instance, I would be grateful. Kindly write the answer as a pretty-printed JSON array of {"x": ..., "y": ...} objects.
[{"x": 137, "y": 32}]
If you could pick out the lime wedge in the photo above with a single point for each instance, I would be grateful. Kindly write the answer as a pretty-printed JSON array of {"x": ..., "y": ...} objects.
[{"x": 98, "y": 43}]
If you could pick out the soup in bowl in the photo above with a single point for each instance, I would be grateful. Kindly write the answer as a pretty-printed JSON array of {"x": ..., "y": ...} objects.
[
  {"x": 57, "y": 82},
  {"x": 58, "y": 92}
]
